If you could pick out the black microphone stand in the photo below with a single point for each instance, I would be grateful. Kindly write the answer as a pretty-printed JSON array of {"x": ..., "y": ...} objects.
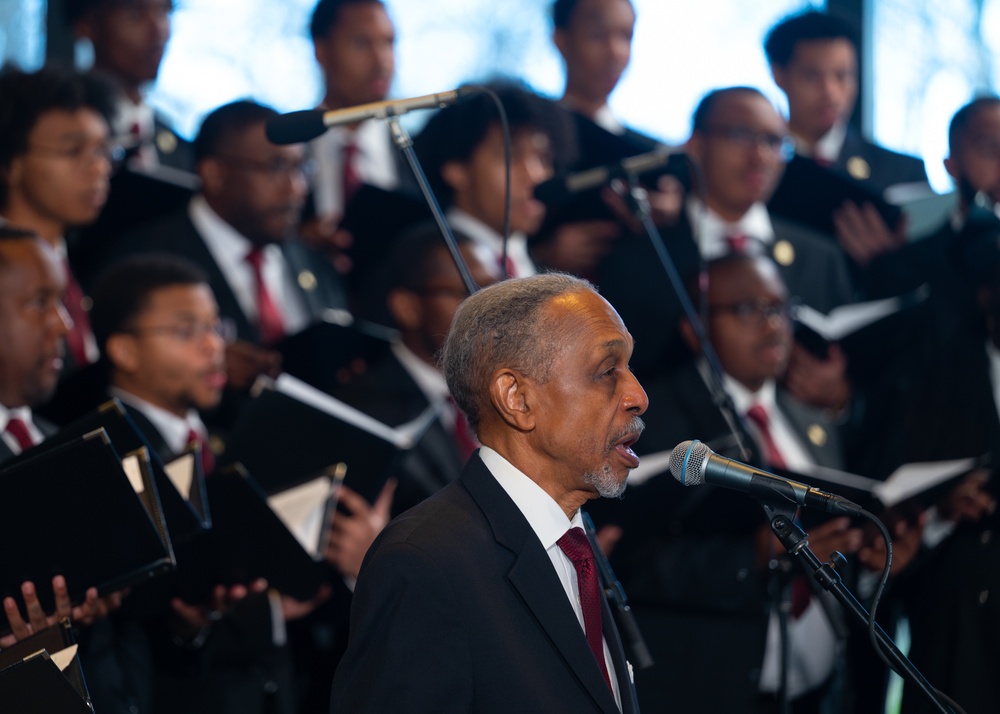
[
  {"x": 631, "y": 635},
  {"x": 405, "y": 144},
  {"x": 795, "y": 540},
  {"x": 626, "y": 185}
]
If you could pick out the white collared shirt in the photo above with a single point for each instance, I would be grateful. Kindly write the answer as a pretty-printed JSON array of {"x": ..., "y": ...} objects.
[
  {"x": 549, "y": 523},
  {"x": 229, "y": 249},
  {"x": 24, "y": 414},
  {"x": 488, "y": 245},
  {"x": 172, "y": 428},
  {"x": 430, "y": 381},
  {"x": 607, "y": 121},
  {"x": 828, "y": 147},
  {"x": 711, "y": 230},
  {"x": 374, "y": 163}
]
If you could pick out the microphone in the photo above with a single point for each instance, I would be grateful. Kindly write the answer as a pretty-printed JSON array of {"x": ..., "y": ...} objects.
[
  {"x": 662, "y": 161},
  {"x": 302, "y": 126},
  {"x": 693, "y": 463}
]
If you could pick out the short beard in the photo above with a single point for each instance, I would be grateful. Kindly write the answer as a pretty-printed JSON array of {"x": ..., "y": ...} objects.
[{"x": 605, "y": 482}]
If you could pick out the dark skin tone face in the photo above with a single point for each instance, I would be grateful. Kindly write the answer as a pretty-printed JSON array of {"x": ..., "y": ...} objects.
[
  {"x": 576, "y": 427},
  {"x": 975, "y": 160},
  {"x": 357, "y": 56},
  {"x": 33, "y": 322}
]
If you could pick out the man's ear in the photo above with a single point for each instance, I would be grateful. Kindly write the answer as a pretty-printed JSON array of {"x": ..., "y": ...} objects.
[
  {"x": 121, "y": 352},
  {"x": 456, "y": 175},
  {"x": 511, "y": 395},
  {"x": 212, "y": 174},
  {"x": 780, "y": 75},
  {"x": 559, "y": 40},
  {"x": 405, "y": 308}
]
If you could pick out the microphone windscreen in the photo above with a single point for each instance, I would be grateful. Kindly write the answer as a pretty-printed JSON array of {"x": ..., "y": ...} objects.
[
  {"x": 295, "y": 127},
  {"x": 686, "y": 461}
]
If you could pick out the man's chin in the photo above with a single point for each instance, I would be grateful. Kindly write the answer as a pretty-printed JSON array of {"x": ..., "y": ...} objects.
[{"x": 607, "y": 483}]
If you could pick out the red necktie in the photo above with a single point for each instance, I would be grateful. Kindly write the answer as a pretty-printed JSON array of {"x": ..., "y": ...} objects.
[
  {"x": 269, "y": 322},
  {"x": 738, "y": 243},
  {"x": 76, "y": 338},
  {"x": 351, "y": 178},
  {"x": 207, "y": 457},
  {"x": 19, "y": 430},
  {"x": 577, "y": 548},
  {"x": 506, "y": 264},
  {"x": 758, "y": 415},
  {"x": 464, "y": 438}
]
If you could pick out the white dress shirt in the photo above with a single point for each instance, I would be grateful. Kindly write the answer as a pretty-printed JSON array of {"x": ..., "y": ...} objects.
[
  {"x": 229, "y": 249},
  {"x": 711, "y": 230},
  {"x": 549, "y": 523},
  {"x": 828, "y": 147},
  {"x": 172, "y": 428},
  {"x": 488, "y": 245},
  {"x": 375, "y": 163}
]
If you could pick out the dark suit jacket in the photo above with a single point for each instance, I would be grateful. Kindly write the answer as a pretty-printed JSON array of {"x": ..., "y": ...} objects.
[
  {"x": 687, "y": 559},
  {"x": 388, "y": 393},
  {"x": 458, "y": 609},
  {"x": 46, "y": 427},
  {"x": 886, "y": 167},
  {"x": 177, "y": 235}
]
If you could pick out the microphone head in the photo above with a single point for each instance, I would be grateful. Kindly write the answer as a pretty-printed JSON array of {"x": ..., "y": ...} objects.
[
  {"x": 687, "y": 460},
  {"x": 295, "y": 127}
]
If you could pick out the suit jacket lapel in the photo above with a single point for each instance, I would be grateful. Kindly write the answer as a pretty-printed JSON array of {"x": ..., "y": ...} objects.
[{"x": 534, "y": 579}]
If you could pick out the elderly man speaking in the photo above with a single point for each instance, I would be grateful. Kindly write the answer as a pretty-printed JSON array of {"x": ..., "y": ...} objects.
[{"x": 485, "y": 596}]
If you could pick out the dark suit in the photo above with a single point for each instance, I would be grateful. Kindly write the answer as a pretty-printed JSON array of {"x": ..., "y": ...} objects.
[
  {"x": 688, "y": 558},
  {"x": 633, "y": 280},
  {"x": 388, "y": 393},
  {"x": 885, "y": 167},
  {"x": 458, "y": 609},
  {"x": 176, "y": 234}
]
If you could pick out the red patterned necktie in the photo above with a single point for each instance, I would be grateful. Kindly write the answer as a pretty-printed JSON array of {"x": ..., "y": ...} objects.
[
  {"x": 269, "y": 322},
  {"x": 19, "y": 430},
  {"x": 351, "y": 177},
  {"x": 738, "y": 243},
  {"x": 577, "y": 548},
  {"x": 207, "y": 457},
  {"x": 758, "y": 415}
]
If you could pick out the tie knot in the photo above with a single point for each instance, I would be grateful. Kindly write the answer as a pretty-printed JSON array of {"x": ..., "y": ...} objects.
[
  {"x": 758, "y": 415},
  {"x": 575, "y": 545},
  {"x": 256, "y": 257},
  {"x": 19, "y": 430}
]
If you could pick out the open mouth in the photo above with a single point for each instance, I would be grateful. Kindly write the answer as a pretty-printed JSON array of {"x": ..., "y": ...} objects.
[{"x": 624, "y": 449}]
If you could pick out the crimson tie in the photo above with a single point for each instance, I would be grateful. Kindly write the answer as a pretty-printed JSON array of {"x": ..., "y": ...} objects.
[
  {"x": 506, "y": 264},
  {"x": 738, "y": 243},
  {"x": 465, "y": 440},
  {"x": 207, "y": 457},
  {"x": 269, "y": 322},
  {"x": 758, "y": 415},
  {"x": 19, "y": 430},
  {"x": 76, "y": 338},
  {"x": 577, "y": 548},
  {"x": 352, "y": 177}
]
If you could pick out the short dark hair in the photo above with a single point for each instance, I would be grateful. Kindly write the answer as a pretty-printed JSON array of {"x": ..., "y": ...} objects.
[
  {"x": 78, "y": 9},
  {"x": 415, "y": 254},
  {"x": 964, "y": 116},
  {"x": 326, "y": 15},
  {"x": 808, "y": 26},
  {"x": 11, "y": 234},
  {"x": 454, "y": 132},
  {"x": 26, "y": 96},
  {"x": 702, "y": 117},
  {"x": 124, "y": 289},
  {"x": 502, "y": 326},
  {"x": 562, "y": 12},
  {"x": 227, "y": 121}
]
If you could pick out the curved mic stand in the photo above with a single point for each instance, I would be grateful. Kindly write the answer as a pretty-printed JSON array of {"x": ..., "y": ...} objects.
[
  {"x": 626, "y": 186},
  {"x": 405, "y": 144},
  {"x": 796, "y": 542}
]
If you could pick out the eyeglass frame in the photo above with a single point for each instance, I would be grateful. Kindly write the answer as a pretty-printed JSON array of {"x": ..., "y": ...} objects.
[
  {"x": 190, "y": 332},
  {"x": 755, "y": 313},
  {"x": 781, "y": 146}
]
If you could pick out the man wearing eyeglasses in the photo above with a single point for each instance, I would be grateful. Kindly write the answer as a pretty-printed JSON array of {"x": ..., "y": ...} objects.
[
  {"x": 740, "y": 144},
  {"x": 734, "y": 597},
  {"x": 240, "y": 229},
  {"x": 55, "y": 163}
]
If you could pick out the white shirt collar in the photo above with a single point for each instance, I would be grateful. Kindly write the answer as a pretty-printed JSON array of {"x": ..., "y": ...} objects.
[
  {"x": 25, "y": 415},
  {"x": 828, "y": 147},
  {"x": 712, "y": 230},
  {"x": 488, "y": 244},
  {"x": 543, "y": 514},
  {"x": 607, "y": 121},
  {"x": 172, "y": 428}
]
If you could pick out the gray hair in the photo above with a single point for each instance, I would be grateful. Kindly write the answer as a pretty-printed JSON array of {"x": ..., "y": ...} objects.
[{"x": 502, "y": 326}]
